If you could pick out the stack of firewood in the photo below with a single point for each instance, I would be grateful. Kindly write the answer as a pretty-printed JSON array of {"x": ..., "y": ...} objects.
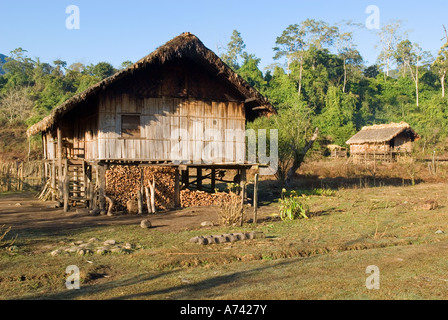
[
  {"x": 190, "y": 198},
  {"x": 124, "y": 182}
]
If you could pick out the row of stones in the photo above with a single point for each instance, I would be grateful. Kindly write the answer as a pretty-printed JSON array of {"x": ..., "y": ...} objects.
[
  {"x": 229, "y": 237},
  {"x": 93, "y": 247}
]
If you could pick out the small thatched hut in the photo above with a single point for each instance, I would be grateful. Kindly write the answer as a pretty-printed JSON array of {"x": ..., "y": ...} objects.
[{"x": 382, "y": 142}]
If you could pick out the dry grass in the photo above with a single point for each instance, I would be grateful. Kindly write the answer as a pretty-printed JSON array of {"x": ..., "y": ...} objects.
[
  {"x": 324, "y": 257},
  {"x": 231, "y": 212}
]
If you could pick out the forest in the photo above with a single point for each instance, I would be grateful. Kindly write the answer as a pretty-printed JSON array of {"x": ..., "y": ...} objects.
[{"x": 319, "y": 81}]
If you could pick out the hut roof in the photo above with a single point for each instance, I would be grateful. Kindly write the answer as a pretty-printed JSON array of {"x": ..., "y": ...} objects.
[
  {"x": 381, "y": 133},
  {"x": 185, "y": 45}
]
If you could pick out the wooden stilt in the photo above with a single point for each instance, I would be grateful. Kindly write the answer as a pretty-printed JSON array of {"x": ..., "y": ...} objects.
[
  {"x": 60, "y": 174},
  {"x": 102, "y": 187},
  {"x": 256, "y": 198},
  {"x": 199, "y": 178},
  {"x": 213, "y": 183},
  {"x": 66, "y": 186},
  {"x": 53, "y": 180},
  {"x": 176, "y": 189},
  {"x": 140, "y": 194}
]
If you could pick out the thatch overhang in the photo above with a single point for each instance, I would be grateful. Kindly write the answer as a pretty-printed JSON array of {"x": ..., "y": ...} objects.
[
  {"x": 187, "y": 46},
  {"x": 382, "y": 133}
]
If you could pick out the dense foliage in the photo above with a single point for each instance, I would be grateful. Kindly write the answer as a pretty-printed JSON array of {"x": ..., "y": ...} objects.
[{"x": 319, "y": 81}]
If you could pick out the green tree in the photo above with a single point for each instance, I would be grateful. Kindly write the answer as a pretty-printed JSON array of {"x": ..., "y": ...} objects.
[
  {"x": 234, "y": 51},
  {"x": 440, "y": 65}
]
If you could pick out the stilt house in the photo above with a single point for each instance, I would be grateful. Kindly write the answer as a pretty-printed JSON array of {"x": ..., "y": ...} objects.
[{"x": 164, "y": 110}]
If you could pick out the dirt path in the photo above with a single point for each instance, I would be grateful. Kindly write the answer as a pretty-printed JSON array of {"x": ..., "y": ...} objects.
[{"x": 23, "y": 211}]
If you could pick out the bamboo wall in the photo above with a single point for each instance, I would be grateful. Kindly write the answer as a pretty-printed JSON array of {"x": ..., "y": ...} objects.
[
  {"x": 160, "y": 118},
  {"x": 21, "y": 176}
]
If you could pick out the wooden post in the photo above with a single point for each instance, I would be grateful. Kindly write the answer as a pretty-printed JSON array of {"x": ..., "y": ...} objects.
[
  {"x": 151, "y": 196},
  {"x": 102, "y": 187},
  {"x": 243, "y": 191},
  {"x": 66, "y": 186},
  {"x": 89, "y": 186},
  {"x": 60, "y": 177},
  {"x": 186, "y": 177},
  {"x": 53, "y": 180},
  {"x": 148, "y": 200},
  {"x": 243, "y": 194},
  {"x": 213, "y": 179},
  {"x": 199, "y": 178},
  {"x": 256, "y": 198},
  {"x": 140, "y": 194},
  {"x": 176, "y": 188}
]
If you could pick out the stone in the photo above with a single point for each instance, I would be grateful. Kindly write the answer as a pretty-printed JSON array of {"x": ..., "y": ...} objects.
[
  {"x": 240, "y": 236},
  {"x": 145, "y": 224},
  {"x": 101, "y": 251},
  {"x": 439, "y": 232},
  {"x": 79, "y": 242},
  {"x": 220, "y": 239},
  {"x": 80, "y": 252},
  {"x": 128, "y": 246},
  {"x": 91, "y": 240},
  {"x": 109, "y": 242},
  {"x": 55, "y": 253},
  {"x": 132, "y": 207},
  {"x": 430, "y": 205},
  {"x": 116, "y": 250},
  {"x": 207, "y": 224},
  {"x": 195, "y": 239},
  {"x": 95, "y": 212}
]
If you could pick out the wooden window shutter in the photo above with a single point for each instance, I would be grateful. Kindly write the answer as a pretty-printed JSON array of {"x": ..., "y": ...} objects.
[{"x": 130, "y": 126}]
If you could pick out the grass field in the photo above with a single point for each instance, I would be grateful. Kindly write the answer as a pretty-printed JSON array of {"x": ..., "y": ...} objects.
[{"x": 324, "y": 257}]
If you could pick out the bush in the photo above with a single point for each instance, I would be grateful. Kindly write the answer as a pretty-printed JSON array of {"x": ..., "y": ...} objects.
[
  {"x": 231, "y": 211},
  {"x": 293, "y": 206}
]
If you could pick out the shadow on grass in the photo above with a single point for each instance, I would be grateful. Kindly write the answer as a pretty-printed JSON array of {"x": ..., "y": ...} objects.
[
  {"x": 87, "y": 290},
  {"x": 198, "y": 290}
]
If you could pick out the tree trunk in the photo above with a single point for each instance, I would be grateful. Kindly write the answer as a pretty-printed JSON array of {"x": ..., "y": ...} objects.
[
  {"x": 299, "y": 157},
  {"x": 442, "y": 82},
  {"x": 300, "y": 77},
  {"x": 345, "y": 77},
  {"x": 416, "y": 85}
]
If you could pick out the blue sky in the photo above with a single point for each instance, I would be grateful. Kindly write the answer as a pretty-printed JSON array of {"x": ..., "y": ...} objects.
[{"x": 115, "y": 31}]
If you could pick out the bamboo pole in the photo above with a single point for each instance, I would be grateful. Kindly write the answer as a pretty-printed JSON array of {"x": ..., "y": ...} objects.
[
  {"x": 66, "y": 186},
  {"x": 102, "y": 187},
  {"x": 60, "y": 177},
  {"x": 256, "y": 198}
]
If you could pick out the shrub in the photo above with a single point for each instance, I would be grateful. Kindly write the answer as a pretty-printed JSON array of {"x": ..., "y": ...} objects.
[
  {"x": 231, "y": 210},
  {"x": 293, "y": 206}
]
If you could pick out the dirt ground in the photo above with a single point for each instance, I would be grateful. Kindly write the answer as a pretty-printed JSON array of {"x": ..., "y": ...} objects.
[{"x": 24, "y": 212}]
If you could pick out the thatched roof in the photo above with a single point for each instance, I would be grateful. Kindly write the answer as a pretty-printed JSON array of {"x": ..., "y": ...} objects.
[
  {"x": 381, "y": 133},
  {"x": 186, "y": 45}
]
